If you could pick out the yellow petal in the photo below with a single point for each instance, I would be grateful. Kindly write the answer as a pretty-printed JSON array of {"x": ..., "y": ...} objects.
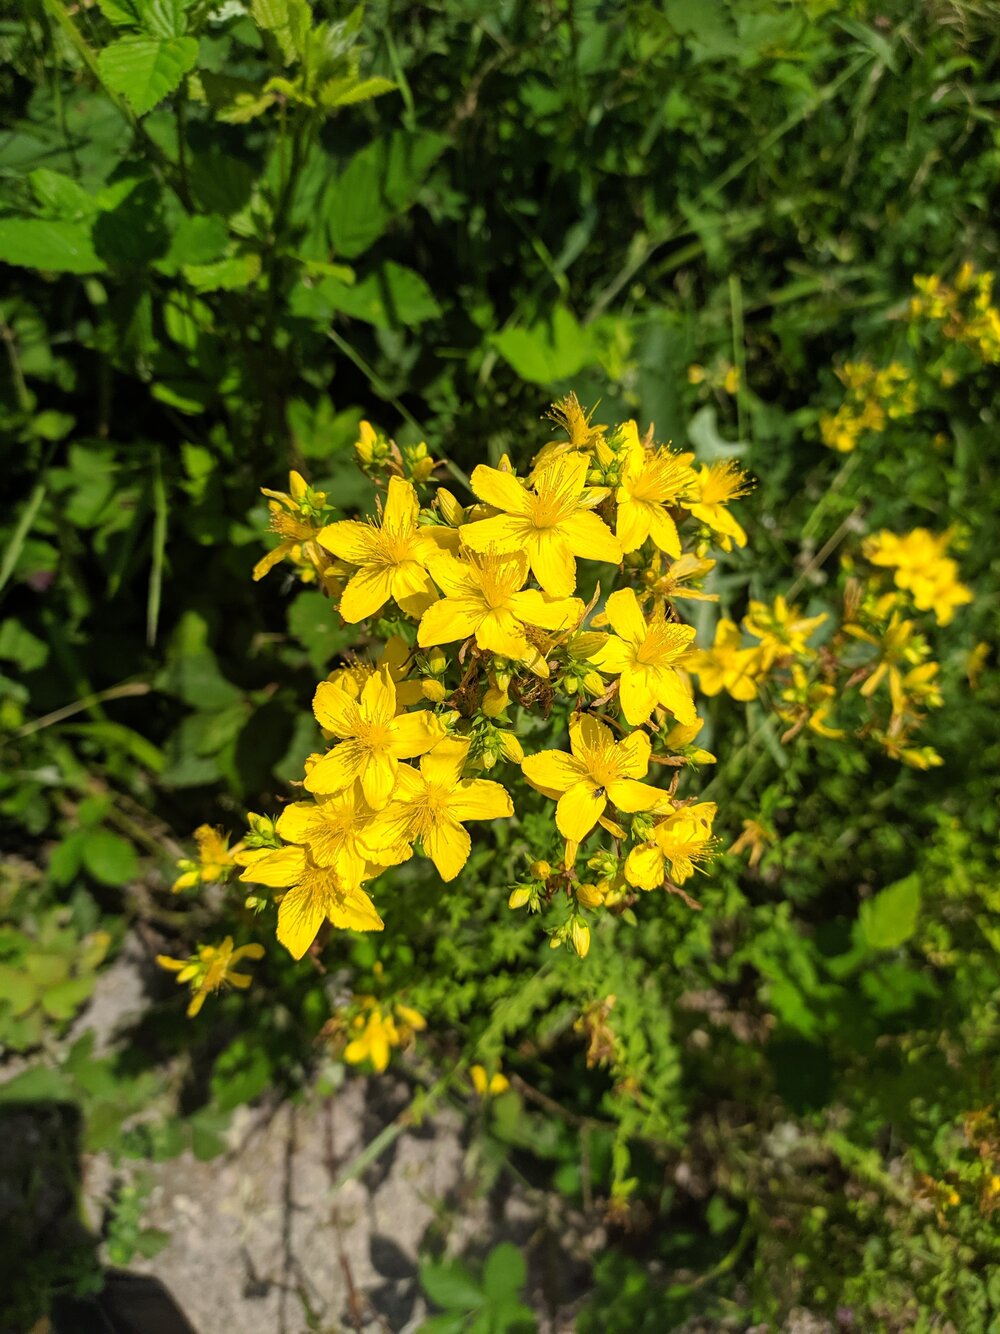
[
  {"x": 552, "y": 770},
  {"x": 273, "y": 558},
  {"x": 644, "y": 867},
  {"x": 590, "y": 537},
  {"x": 450, "y": 619},
  {"x": 578, "y": 809},
  {"x": 632, "y": 754},
  {"x": 415, "y": 733},
  {"x": 350, "y": 540},
  {"x": 443, "y": 765},
  {"x": 279, "y": 868},
  {"x": 301, "y": 912},
  {"x": 378, "y": 697},
  {"x": 614, "y": 657},
  {"x": 354, "y": 911},
  {"x": 637, "y": 692},
  {"x": 337, "y": 769},
  {"x": 448, "y": 846},
  {"x": 366, "y": 592},
  {"x": 552, "y": 562},
  {"x": 674, "y": 694},
  {"x": 663, "y": 531},
  {"x": 334, "y": 709},
  {"x": 547, "y": 612},
  {"x": 626, "y": 616},
  {"x": 631, "y": 523},
  {"x": 499, "y": 632},
  {"x": 401, "y": 506},
  {"x": 480, "y": 799},
  {"x": 378, "y": 778},
  {"x": 630, "y": 795},
  {"x": 500, "y": 489},
  {"x": 506, "y": 532},
  {"x": 454, "y": 577}
]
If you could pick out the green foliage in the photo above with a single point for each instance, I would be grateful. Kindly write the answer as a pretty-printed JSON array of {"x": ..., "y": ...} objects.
[{"x": 229, "y": 234}]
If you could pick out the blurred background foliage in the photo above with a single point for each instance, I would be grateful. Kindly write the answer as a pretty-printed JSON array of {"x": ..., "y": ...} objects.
[{"x": 228, "y": 233}]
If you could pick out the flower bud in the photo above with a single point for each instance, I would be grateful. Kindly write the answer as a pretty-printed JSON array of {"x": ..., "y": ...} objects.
[
  {"x": 437, "y": 660},
  {"x": 510, "y": 748},
  {"x": 539, "y": 870},
  {"x": 519, "y": 896},
  {"x": 580, "y": 937},
  {"x": 589, "y": 896},
  {"x": 433, "y": 690},
  {"x": 593, "y": 681},
  {"x": 571, "y": 685}
]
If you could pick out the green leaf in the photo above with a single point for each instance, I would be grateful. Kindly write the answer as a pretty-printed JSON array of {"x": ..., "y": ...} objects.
[
  {"x": 890, "y": 918},
  {"x": 225, "y": 275},
  {"x": 110, "y": 859},
  {"x": 241, "y": 1073},
  {"x": 378, "y": 183},
  {"x": 144, "y": 70},
  {"x": 552, "y": 350},
  {"x": 315, "y": 624},
  {"x": 60, "y": 196},
  {"x": 22, "y": 647},
  {"x": 288, "y": 21},
  {"x": 17, "y": 988},
  {"x": 122, "y": 13},
  {"x": 391, "y": 297},
  {"x": 166, "y": 18},
  {"x": 64, "y": 999},
  {"x": 451, "y": 1286},
  {"x": 505, "y": 1272},
  {"x": 347, "y": 91},
  {"x": 49, "y": 245}
]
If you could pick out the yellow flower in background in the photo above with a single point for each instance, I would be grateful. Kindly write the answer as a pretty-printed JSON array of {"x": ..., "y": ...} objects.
[
  {"x": 312, "y": 895},
  {"x": 211, "y": 969},
  {"x": 647, "y": 657},
  {"x": 716, "y": 485},
  {"x": 431, "y": 804},
  {"x": 297, "y": 516},
  {"x": 373, "y": 738},
  {"x": 599, "y": 770},
  {"x": 486, "y": 597},
  {"x": 681, "y": 841},
  {"x": 921, "y": 568},
  {"x": 214, "y": 862},
  {"x": 652, "y": 482},
  {"x": 377, "y": 1032},
  {"x": 782, "y": 630},
  {"x": 391, "y": 557},
  {"x": 487, "y": 1085},
  {"x": 900, "y": 647},
  {"x": 552, "y": 523},
  {"x": 727, "y": 665},
  {"x": 754, "y": 839},
  {"x": 675, "y": 582}
]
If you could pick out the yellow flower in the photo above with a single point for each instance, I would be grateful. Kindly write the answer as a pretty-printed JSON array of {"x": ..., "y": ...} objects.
[
  {"x": 716, "y": 485},
  {"x": 551, "y": 523},
  {"x": 397, "y": 656},
  {"x": 313, "y": 894},
  {"x": 672, "y": 584},
  {"x": 754, "y": 838},
  {"x": 211, "y": 969},
  {"x": 486, "y": 597},
  {"x": 296, "y": 515},
  {"x": 214, "y": 862},
  {"x": 652, "y": 482},
  {"x": 599, "y": 770},
  {"x": 782, "y": 629},
  {"x": 900, "y": 647},
  {"x": 727, "y": 665},
  {"x": 922, "y": 569},
  {"x": 647, "y": 658},
  {"x": 488, "y": 1085},
  {"x": 333, "y": 829},
  {"x": 392, "y": 557},
  {"x": 431, "y": 803},
  {"x": 373, "y": 738},
  {"x": 681, "y": 841}
]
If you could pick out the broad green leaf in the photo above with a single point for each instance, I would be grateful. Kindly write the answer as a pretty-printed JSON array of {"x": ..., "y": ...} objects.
[
  {"x": 166, "y": 18},
  {"x": 451, "y": 1286},
  {"x": 110, "y": 859},
  {"x": 391, "y": 297},
  {"x": 17, "y": 988},
  {"x": 20, "y": 646},
  {"x": 552, "y": 350},
  {"x": 314, "y": 623},
  {"x": 224, "y": 275},
  {"x": 378, "y": 183},
  {"x": 144, "y": 70},
  {"x": 60, "y": 196},
  {"x": 505, "y": 1272},
  {"x": 890, "y": 918},
  {"x": 288, "y": 21},
  {"x": 122, "y": 13},
  {"x": 64, "y": 999},
  {"x": 49, "y": 245}
]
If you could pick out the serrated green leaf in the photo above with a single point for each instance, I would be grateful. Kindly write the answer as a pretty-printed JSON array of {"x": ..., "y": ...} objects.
[
  {"x": 347, "y": 91},
  {"x": 144, "y": 70},
  {"x": 50, "y": 245},
  {"x": 378, "y": 183},
  {"x": 391, "y": 297},
  {"x": 122, "y": 13}
]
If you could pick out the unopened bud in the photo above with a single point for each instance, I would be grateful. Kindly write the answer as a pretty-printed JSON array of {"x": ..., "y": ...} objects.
[
  {"x": 510, "y": 748},
  {"x": 432, "y": 690},
  {"x": 589, "y": 896},
  {"x": 539, "y": 870},
  {"x": 437, "y": 660},
  {"x": 580, "y": 937},
  {"x": 571, "y": 685},
  {"x": 519, "y": 896}
]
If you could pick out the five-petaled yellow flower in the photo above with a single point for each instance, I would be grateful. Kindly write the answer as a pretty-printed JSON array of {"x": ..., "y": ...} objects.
[
  {"x": 333, "y": 828},
  {"x": 486, "y": 597},
  {"x": 647, "y": 658},
  {"x": 391, "y": 557},
  {"x": 214, "y": 862},
  {"x": 727, "y": 665},
  {"x": 313, "y": 894},
  {"x": 652, "y": 482},
  {"x": 430, "y": 804},
  {"x": 211, "y": 969},
  {"x": 681, "y": 841},
  {"x": 599, "y": 770},
  {"x": 552, "y": 523},
  {"x": 373, "y": 738},
  {"x": 717, "y": 484}
]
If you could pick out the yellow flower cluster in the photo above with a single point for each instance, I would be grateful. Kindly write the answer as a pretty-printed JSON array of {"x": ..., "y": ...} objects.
[
  {"x": 963, "y": 311},
  {"x": 921, "y": 568},
  {"x": 875, "y": 396},
  {"x": 482, "y": 599},
  {"x": 368, "y": 1030},
  {"x": 211, "y": 969}
]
